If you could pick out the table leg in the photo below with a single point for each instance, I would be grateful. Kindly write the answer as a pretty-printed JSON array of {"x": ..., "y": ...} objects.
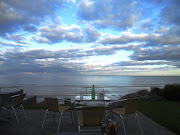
[{"x": 75, "y": 114}]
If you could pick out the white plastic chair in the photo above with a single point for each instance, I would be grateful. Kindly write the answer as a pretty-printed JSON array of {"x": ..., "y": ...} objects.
[
  {"x": 129, "y": 109},
  {"x": 92, "y": 116},
  {"x": 15, "y": 102},
  {"x": 55, "y": 109}
]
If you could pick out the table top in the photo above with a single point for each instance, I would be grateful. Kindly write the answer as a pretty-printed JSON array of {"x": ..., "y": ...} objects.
[
  {"x": 4, "y": 93},
  {"x": 82, "y": 133},
  {"x": 89, "y": 98}
]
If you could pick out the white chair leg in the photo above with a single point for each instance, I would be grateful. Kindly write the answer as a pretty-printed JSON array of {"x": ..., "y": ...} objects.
[
  {"x": 139, "y": 123},
  {"x": 54, "y": 118},
  {"x": 123, "y": 124},
  {"x": 59, "y": 121},
  {"x": 71, "y": 116},
  {"x": 44, "y": 119},
  {"x": 23, "y": 111},
  {"x": 126, "y": 120},
  {"x": 15, "y": 114},
  {"x": 79, "y": 129}
]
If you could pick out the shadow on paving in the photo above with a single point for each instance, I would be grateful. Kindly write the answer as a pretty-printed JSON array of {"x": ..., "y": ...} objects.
[{"x": 32, "y": 125}]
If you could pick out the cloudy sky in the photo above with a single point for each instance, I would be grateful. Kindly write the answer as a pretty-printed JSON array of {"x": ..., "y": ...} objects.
[{"x": 100, "y": 37}]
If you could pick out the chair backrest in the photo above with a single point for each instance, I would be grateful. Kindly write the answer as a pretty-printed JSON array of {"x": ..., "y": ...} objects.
[
  {"x": 118, "y": 104},
  {"x": 17, "y": 92},
  {"x": 6, "y": 98},
  {"x": 93, "y": 115},
  {"x": 17, "y": 99},
  {"x": 52, "y": 104},
  {"x": 130, "y": 106}
]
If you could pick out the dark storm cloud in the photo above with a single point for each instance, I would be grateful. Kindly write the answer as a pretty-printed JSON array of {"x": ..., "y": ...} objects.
[
  {"x": 115, "y": 14},
  {"x": 16, "y": 14}
]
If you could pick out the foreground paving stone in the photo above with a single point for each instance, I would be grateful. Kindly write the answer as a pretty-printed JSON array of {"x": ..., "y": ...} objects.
[{"x": 32, "y": 125}]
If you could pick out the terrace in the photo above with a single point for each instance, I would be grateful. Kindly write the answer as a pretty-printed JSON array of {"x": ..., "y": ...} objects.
[{"x": 32, "y": 125}]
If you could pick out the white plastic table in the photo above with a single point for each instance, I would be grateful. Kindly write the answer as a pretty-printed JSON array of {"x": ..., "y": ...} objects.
[{"x": 89, "y": 99}]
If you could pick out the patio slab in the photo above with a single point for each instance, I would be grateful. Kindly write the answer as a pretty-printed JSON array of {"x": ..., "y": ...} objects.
[{"x": 32, "y": 125}]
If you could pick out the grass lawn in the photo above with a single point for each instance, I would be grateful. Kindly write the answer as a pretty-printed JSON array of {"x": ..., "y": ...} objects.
[{"x": 166, "y": 113}]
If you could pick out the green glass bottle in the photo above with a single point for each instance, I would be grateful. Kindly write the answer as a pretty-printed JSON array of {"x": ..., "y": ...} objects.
[{"x": 93, "y": 92}]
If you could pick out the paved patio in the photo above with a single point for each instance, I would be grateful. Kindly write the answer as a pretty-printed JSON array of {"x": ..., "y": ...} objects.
[{"x": 32, "y": 125}]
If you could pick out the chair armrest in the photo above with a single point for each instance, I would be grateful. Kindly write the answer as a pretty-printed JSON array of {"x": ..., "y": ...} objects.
[
  {"x": 15, "y": 95},
  {"x": 79, "y": 107},
  {"x": 121, "y": 100},
  {"x": 64, "y": 99},
  {"x": 118, "y": 103}
]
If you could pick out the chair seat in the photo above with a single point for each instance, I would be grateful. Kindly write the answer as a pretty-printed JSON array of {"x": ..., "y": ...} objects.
[
  {"x": 52, "y": 104},
  {"x": 15, "y": 102},
  {"x": 63, "y": 108},
  {"x": 10, "y": 105},
  {"x": 90, "y": 118},
  {"x": 119, "y": 111},
  {"x": 128, "y": 109},
  {"x": 89, "y": 121}
]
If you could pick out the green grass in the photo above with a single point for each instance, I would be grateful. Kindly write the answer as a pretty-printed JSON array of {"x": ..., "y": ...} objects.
[{"x": 166, "y": 113}]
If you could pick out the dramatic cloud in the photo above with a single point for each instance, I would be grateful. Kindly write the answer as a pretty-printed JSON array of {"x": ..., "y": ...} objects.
[
  {"x": 90, "y": 37},
  {"x": 157, "y": 53},
  {"x": 140, "y": 63},
  {"x": 39, "y": 61},
  {"x": 74, "y": 33},
  {"x": 12, "y": 44},
  {"x": 171, "y": 13},
  {"x": 125, "y": 38},
  {"x": 29, "y": 28},
  {"x": 115, "y": 14},
  {"x": 17, "y": 14}
]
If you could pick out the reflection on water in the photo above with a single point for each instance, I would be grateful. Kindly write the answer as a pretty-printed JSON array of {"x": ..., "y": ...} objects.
[{"x": 58, "y": 85}]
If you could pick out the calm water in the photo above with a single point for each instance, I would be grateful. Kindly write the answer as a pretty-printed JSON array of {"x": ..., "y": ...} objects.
[{"x": 58, "y": 85}]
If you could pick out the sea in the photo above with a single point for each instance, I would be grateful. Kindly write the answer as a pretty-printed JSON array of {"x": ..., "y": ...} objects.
[{"x": 68, "y": 86}]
